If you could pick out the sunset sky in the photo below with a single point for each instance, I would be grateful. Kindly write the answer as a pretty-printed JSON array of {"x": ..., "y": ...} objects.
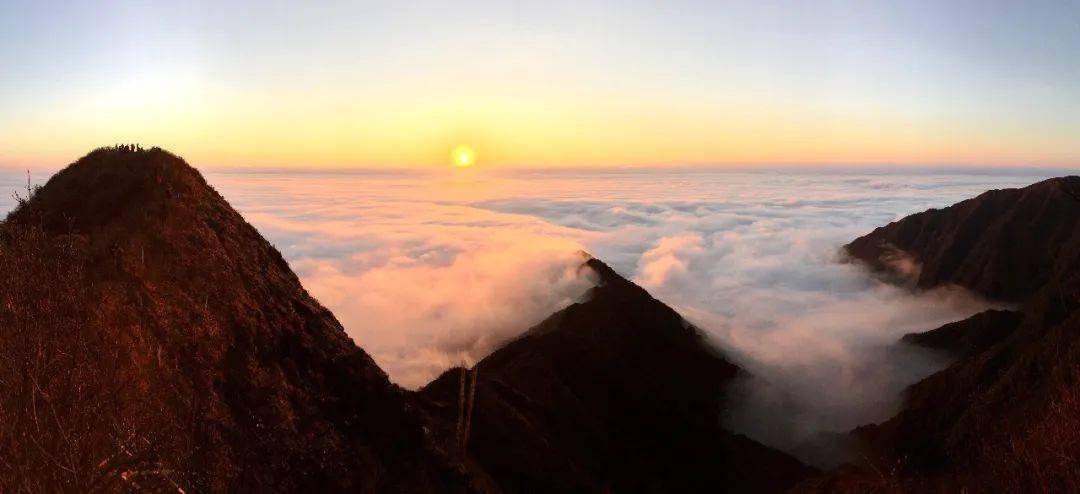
[{"x": 576, "y": 83}]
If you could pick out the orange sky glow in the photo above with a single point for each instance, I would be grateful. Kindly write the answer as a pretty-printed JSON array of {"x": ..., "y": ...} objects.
[{"x": 551, "y": 84}]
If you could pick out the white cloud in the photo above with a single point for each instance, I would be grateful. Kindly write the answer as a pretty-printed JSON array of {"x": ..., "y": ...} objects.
[
  {"x": 753, "y": 259},
  {"x": 669, "y": 259},
  {"x": 427, "y": 270}
]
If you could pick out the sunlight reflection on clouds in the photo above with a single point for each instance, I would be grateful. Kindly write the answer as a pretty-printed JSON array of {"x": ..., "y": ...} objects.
[{"x": 429, "y": 270}]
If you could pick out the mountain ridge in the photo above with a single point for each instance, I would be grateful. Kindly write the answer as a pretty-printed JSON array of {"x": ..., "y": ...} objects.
[
  {"x": 615, "y": 392},
  {"x": 227, "y": 374},
  {"x": 1003, "y": 244},
  {"x": 184, "y": 354},
  {"x": 1004, "y": 415}
]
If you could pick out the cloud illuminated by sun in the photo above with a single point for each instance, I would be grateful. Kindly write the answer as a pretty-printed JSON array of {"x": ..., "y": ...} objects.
[{"x": 463, "y": 156}]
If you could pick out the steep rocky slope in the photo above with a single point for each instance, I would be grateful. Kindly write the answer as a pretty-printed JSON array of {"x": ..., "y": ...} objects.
[
  {"x": 617, "y": 392},
  {"x": 153, "y": 339},
  {"x": 1004, "y": 416}
]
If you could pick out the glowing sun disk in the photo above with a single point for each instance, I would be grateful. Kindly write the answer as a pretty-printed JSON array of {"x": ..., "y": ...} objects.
[{"x": 463, "y": 156}]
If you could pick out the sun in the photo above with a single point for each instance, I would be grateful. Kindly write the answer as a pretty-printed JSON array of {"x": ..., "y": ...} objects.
[{"x": 463, "y": 156}]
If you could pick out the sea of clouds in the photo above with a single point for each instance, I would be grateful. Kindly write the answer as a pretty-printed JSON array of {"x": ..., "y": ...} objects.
[{"x": 429, "y": 270}]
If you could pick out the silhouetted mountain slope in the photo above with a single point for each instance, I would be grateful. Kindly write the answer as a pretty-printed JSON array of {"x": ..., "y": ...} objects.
[
  {"x": 969, "y": 336},
  {"x": 178, "y": 350},
  {"x": 617, "y": 392},
  {"x": 1001, "y": 383},
  {"x": 1005, "y": 416},
  {"x": 1003, "y": 244}
]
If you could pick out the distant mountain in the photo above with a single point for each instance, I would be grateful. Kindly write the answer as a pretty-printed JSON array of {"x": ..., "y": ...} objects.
[
  {"x": 152, "y": 340},
  {"x": 1005, "y": 417},
  {"x": 1003, "y": 244},
  {"x": 969, "y": 336},
  {"x": 616, "y": 393},
  {"x": 155, "y": 341}
]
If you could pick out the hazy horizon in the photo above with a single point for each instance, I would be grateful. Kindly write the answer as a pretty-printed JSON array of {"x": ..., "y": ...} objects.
[{"x": 878, "y": 168}]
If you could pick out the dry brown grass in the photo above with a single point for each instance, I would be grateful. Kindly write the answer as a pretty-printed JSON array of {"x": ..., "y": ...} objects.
[
  {"x": 1045, "y": 458},
  {"x": 62, "y": 425}
]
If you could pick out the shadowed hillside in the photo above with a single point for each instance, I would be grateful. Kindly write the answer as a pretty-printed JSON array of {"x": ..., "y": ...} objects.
[
  {"x": 617, "y": 392},
  {"x": 1003, "y": 244},
  {"x": 1004, "y": 417},
  {"x": 153, "y": 339}
]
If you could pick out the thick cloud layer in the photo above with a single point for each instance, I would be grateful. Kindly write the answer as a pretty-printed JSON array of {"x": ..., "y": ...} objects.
[
  {"x": 754, "y": 260},
  {"x": 420, "y": 279},
  {"x": 428, "y": 270}
]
